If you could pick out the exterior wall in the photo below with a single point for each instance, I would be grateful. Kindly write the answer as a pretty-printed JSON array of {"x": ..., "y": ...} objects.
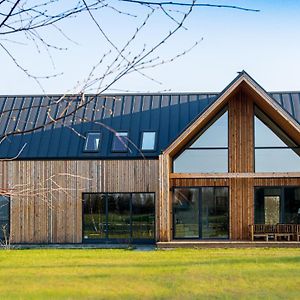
[
  {"x": 241, "y": 178},
  {"x": 46, "y": 196}
]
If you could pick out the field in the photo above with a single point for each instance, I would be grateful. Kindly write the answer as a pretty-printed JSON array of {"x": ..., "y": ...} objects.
[{"x": 172, "y": 274}]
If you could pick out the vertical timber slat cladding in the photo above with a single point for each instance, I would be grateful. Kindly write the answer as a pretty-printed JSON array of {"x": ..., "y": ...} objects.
[
  {"x": 46, "y": 196},
  {"x": 240, "y": 110},
  {"x": 241, "y": 178}
]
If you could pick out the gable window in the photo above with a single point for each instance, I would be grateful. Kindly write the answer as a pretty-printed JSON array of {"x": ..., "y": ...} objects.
[
  {"x": 120, "y": 142},
  {"x": 274, "y": 150},
  {"x": 92, "y": 142},
  {"x": 4, "y": 217},
  {"x": 208, "y": 152},
  {"x": 148, "y": 140}
]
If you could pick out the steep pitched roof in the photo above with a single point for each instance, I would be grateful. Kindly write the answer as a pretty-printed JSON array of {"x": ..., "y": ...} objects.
[
  {"x": 167, "y": 114},
  {"x": 260, "y": 97}
]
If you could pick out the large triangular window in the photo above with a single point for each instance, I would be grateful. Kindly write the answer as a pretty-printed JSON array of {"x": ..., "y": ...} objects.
[
  {"x": 208, "y": 151},
  {"x": 274, "y": 150}
]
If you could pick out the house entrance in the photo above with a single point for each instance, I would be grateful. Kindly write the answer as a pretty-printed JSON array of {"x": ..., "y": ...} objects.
[{"x": 201, "y": 213}]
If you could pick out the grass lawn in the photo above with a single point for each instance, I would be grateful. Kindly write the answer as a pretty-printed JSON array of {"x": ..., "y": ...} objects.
[{"x": 173, "y": 274}]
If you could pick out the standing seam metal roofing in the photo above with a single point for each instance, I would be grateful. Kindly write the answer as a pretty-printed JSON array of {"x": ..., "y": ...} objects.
[{"x": 166, "y": 114}]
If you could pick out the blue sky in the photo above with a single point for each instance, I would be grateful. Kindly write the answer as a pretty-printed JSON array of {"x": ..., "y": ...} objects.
[{"x": 266, "y": 44}]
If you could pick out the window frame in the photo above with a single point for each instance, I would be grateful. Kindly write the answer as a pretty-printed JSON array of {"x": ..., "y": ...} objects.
[
  {"x": 8, "y": 216},
  {"x": 218, "y": 115},
  {"x": 200, "y": 204},
  {"x": 106, "y": 239},
  {"x": 114, "y": 136},
  {"x": 260, "y": 115},
  {"x": 86, "y": 140},
  {"x": 142, "y": 138},
  {"x": 282, "y": 198}
]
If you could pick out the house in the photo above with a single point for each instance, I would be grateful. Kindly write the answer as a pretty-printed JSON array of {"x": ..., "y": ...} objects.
[{"x": 149, "y": 168}]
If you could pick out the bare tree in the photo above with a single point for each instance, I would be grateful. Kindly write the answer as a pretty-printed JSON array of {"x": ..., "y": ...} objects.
[{"x": 27, "y": 22}]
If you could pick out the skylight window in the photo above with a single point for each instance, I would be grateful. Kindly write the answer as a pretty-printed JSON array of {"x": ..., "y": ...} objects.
[
  {"x": 92, "y": 142},
  {"x": 148, "y": 141},
  {"x": 120, "y": 142}
]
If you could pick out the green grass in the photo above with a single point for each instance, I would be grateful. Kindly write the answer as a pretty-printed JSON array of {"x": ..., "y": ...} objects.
[{"x": 125, "y": 274}]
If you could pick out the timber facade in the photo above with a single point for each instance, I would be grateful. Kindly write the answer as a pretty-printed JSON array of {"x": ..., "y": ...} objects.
[{"x": 150, "y": 168}]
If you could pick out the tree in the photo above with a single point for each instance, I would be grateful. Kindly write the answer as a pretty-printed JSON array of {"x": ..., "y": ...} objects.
[{"x": 26, "y": 22}]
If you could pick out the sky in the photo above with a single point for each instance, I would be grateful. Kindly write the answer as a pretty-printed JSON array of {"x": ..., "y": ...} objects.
[{"x": 266, "y": 44}]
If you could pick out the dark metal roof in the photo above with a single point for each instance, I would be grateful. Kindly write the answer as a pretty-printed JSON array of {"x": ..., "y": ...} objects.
[{"x": 166, "y": 114}]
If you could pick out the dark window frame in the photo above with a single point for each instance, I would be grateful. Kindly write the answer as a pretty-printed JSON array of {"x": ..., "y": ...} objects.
[
  {"x": 110, "y": 240},
  {"x": 114, "y": 136},
  {"x": 260, "y": 114},
  {"x": 210, "y": 123},
  {"x": 282, "y": 198},
  {"x": 8, "y": 217},
  {"x": 199, "y": 213},
  {"x": 86, "y": 140},
  {"x": 142, "y": 138}
]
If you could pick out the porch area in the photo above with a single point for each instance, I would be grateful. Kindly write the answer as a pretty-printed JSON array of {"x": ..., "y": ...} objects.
[{"x": 198, "y": 244}]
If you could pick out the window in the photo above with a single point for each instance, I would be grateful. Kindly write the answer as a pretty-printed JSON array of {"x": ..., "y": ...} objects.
[
  {"x": 118, "y": 217},
  {"x": 274, "y": 150},
  {"x": 92, "y": 142},
  {"x": 208, "y": 152},
  {"x": 120, "y": 142},
  {"x": 201, "y": 213},
  {"x": 148, "y": 141},
  {"x": 275, "y": 205},
  {"x": 4, "y": 217}
]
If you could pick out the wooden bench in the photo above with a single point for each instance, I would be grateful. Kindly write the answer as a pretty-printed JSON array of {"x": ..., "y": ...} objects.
[
  {"x": 286, "y": 231},
  {"x": 262, "y": 230},
  {"x": 276, "y": 232}
]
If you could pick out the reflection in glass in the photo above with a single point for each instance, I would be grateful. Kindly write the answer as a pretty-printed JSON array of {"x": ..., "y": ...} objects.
[
  {"x": 292, "y": 205},
  {"x": 265, "y": 137},
  {"x": 92, "y": 141},
  {"x": 274, "y": 150},
  {"x": 276, "y": 160},
  {"x": 118, "y": 218},
  {"x": 277, "y": 205},
  {"x": 186, "y": 210},
  {"x": 120, "y": 142},
  {"x": 202, "y": 161},
  {"x": 215, "y": 136},
  {"x": 94, "y": 216},
  {"x": 4, "y": 217},
  {"x": 214, "y": 212},
  {"x": 148, "y": 141},
  {"x": 209, "y": 152},
  {"x": 143, "y": 217}
]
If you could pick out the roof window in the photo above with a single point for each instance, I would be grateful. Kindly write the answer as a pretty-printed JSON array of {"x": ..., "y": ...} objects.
[
  {"x": 92, "y": 142},
  {"x": 120, "y": 142},
  {"x": 148, "y": 140}
]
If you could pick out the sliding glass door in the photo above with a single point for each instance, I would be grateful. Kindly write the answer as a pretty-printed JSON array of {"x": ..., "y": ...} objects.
[
  {"x": 118, "y": 217},
  {"x": 200, "y": 213}
]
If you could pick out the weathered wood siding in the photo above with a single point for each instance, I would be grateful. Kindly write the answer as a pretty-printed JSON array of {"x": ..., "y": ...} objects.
[
  {"x": 46, "y": 196},
  {"x": 241, "y": 178}
]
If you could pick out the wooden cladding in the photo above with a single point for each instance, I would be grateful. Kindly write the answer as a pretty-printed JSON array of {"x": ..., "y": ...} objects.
[
  {"x": 241, "y": 178},
  {"x": 241, "y": 136},
  {"x": 46, "y": 196},
  {"x": 241, "y": 194}
]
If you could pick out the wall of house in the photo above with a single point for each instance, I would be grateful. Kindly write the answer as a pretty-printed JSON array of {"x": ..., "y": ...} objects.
[
  {"x": 46, "y": 196},
  {"x": 240, "y": 179}
]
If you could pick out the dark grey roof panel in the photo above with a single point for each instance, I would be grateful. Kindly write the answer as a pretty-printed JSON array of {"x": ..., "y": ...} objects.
[{"x": 166, "y": 114}]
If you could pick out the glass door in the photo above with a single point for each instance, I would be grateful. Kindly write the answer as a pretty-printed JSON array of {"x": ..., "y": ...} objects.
[
  {"x": 214, "y": 212},
  {"x": 201, "y": 213}
]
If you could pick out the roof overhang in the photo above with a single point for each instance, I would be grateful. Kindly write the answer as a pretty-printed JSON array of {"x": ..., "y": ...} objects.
[{"x": 260, "y": 97}]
